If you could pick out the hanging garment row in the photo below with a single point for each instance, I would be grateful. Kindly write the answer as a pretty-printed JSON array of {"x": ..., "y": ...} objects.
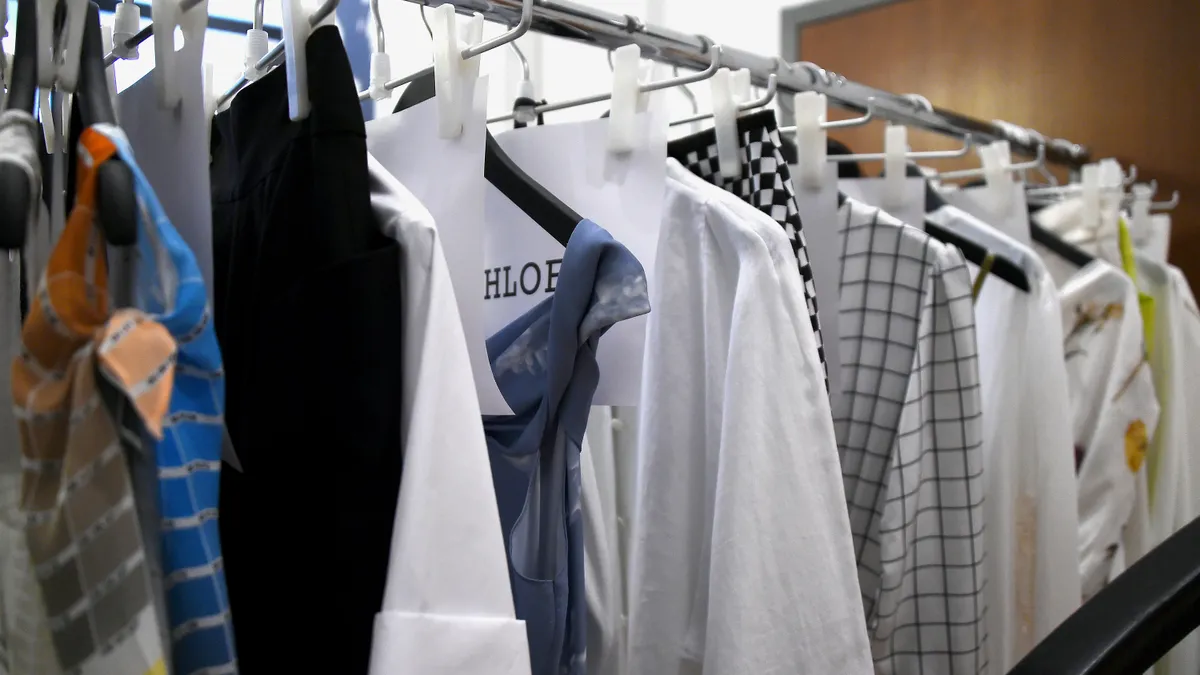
[{"x": 567, "y": 398}]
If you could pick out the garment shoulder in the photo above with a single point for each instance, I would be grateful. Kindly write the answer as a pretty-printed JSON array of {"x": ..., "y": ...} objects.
[{"x": 398, "y": 212}]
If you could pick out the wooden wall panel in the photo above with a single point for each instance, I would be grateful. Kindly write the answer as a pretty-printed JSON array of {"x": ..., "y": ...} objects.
[{"x": 1120, "y": 77}]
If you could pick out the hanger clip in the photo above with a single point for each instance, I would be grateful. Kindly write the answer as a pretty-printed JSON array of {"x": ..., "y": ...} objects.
[
  {"x": 811, "y": 138},
  {"x": 1139, "y": 211},
  {"x": 1089, "y": 189},
  {"x": 106, "y": 40},
  {"x": 166, "y": 18},
  {"x": 1112, "y": 189},
  {"x": 256, "y": 49},
  {"x": 997, "y": 160},
  {"x": 126, "y": 22},
  {"x": 725, "y": 123},
  {"x": 449, "y": 70},
  {"x": 895, "y": 147},
  {"x": 622, "y": 122},
  {"x": 295, "y": 34}
]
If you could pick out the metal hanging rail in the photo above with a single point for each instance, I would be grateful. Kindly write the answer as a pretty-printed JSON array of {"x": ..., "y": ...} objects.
[{"x": 580, "y": 23}]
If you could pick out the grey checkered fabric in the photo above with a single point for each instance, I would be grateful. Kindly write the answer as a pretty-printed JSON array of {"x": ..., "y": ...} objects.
[
  {"x": 765, "y": 183},
  {"x": 909, "y": 433}
]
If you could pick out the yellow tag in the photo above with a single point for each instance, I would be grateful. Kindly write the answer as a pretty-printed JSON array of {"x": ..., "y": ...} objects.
[{"x": 1136, "y": 443}]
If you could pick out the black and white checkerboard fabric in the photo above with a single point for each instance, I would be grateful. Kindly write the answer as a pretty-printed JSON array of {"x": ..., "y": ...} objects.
[
  {"x": 909, "y": 430},
  {"x": 765, "y": 183}
]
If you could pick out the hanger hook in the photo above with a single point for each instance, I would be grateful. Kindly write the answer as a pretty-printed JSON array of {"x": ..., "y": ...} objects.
[
  {"x": 380, "y": 38},
  {"x": 817, "y": 73},
  {"x": 508, "y": 36},
  {"x": 1131, "y": 176},
  {"x": 918, "y": 101},
  {"x": 525, "y": 62},
  {"x": 1167, "y": 205},
  {"x": 259, "y": 6},
  {"x": 425, "y": 20},
  {"x": 766, "y": 99}
]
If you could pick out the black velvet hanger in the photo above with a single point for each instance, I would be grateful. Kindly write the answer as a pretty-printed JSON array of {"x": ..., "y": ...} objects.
[
  {"x": 116, "y": 201},
  {"x": 22, "y": 93},
  {"x": 548, "y": 211},
  {"x": 1002, "y": 267}
]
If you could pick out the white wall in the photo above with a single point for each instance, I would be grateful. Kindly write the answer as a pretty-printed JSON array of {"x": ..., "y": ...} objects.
[{"x": 562, "y": 70}]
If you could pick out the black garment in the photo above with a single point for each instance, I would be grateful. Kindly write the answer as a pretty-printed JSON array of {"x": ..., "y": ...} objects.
[
  {"x": 765, "y": 183},
  {"x": 308, "y": 318}
]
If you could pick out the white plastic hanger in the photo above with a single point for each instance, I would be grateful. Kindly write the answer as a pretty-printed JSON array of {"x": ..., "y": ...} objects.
[
  {"x": 997, "y": 163},
  {"x": 126, "y": 22},
  {"x": 381, "y": 65},
  {"x": 72, "y": 40},
  {"x": 811, "y": 109},
  {"x": 725, "y": 122},
  {"x": 895, "y": 169},
  {"x": 296, "y": 30},
  {"x": 166, "y": 16},
  {"x": 256, "y": 43},
  {"x": 106, "y": 39},
  {"x": 452, "y": 70},
  {"x": 627, "y": 99}
]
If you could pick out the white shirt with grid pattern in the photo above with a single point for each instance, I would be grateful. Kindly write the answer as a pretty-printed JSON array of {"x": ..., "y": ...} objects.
[{"x": 909, "y": 430}]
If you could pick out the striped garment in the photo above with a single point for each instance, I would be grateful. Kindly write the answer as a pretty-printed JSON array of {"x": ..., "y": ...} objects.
[
  {"x": 85, "y": 542},
  {"x": 170, "y": 289}
]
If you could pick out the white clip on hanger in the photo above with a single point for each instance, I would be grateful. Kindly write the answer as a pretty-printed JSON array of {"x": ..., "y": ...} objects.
[
  {"x": 1112, "y": 184},
  {"x": 811, "y": 139},
  {"x": 470, "y": 34},
  {"x": 296, "y": 29},
  {"x": 997, "y": 163},
  {"x": 447, "y": 70},
  {"x": 895, "y": 147},
  {"x": 381, "y": 65},
  {"x": 106, "y": 39},
  {"x": 165, "y": 15},
  {"x": 725, "y": 122},
  {"x": 626, "y": 99},
  {"x": 1139, "y": 211},
  {"x": 67, "y": 65},
  {"x": 740, "y": 84},
  {"x": 452, "y": 68},
  {"x": 125, "y": 25},
  {"x": 1089, "y": 186},
  {"x": 256, "y": 43}
]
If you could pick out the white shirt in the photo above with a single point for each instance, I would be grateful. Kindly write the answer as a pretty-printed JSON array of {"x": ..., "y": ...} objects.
[
  {"x": 1031, "y": 508},
  {"x": 1174, "y": 460},
  {"x": 741, "y": 561},
  {"x": 448, "y": 605},
  {"x": 604, "y": 579},
  {"x": 1114, "y": 411},
  {"x": 909, "y": 431}
]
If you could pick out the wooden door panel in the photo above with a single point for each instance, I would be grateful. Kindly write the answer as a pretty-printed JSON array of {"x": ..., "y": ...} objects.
[{"x": 1121, "y": 77}]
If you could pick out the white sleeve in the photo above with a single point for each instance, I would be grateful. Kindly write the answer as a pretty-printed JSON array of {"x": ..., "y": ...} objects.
[
  {"x": 448, "y": 606},
  {"x": 742, "y": 560}
]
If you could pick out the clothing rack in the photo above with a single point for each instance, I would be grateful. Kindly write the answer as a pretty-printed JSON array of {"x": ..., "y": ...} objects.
[
  {"x": 580, "y": 23},
  {"x": 573, "y": 21}
]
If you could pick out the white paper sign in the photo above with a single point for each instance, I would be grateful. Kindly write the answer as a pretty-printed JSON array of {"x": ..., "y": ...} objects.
[
  {"x": 818, "y": 215},
  {"x": 977, "y": 201},
  {"x": 447, "y": 176},
  {"x": 621, "y": 193},
  {"x": 171, "y": 147},
  {"x": 870, "y": 191}
]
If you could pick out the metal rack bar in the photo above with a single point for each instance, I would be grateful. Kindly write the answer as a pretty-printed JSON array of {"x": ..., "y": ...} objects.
[{"x": 580, "y": 23}]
